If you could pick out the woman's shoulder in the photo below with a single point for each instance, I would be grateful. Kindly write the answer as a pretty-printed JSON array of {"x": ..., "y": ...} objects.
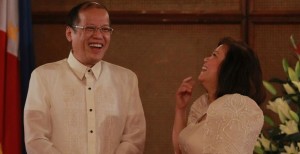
[
  {"x": 236, "y": 103},
  {"x": 236, "y": 100},
  {"x": 236, "y": 96}
]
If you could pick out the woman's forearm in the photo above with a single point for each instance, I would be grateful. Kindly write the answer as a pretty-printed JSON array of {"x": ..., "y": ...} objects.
[{"x": 179, "y": 124}]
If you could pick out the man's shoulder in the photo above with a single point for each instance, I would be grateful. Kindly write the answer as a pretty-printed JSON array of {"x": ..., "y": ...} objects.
[
  {"x": 116, "y": 68},
  {"x": 52, "y": 66}
]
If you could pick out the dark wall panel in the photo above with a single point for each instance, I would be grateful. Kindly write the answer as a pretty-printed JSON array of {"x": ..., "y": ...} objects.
[
  {"x": 50, "y": 43},
  {"x": 144, "y": 5},
  {"x": 272, "y": 42},
  {"x": 276, "y": 6}
]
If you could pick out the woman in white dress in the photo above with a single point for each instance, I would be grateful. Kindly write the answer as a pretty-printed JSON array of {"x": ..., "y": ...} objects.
[{"x": 227, "y": 118}]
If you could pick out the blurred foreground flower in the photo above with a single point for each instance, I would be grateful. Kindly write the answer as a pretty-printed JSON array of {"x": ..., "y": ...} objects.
[
  {"x": 291, "y": 149},
  {"x": 290, "y": 127},
  {"x": 265, "y": 144}
]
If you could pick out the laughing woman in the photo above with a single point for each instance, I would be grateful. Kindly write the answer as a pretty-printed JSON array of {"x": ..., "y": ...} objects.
[{"x": 227, "y": 118}]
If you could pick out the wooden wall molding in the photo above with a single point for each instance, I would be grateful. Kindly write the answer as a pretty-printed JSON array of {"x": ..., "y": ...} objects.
[{"x": 140, "y": 17}]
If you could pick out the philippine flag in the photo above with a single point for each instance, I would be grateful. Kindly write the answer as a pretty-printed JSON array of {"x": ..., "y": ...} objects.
[{"x": 10, "y": 98}]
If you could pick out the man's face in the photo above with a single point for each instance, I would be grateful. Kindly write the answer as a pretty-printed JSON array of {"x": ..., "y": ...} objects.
[{"x": 89, "y": 47}]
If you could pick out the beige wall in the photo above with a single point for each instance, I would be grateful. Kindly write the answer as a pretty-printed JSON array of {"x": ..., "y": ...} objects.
[{"x": 164, "y": 41}]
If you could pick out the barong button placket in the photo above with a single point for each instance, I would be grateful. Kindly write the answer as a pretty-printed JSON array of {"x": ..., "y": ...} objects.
[{"x": 90, "y": 105}]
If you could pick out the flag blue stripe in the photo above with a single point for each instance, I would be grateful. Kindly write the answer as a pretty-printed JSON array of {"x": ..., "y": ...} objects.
[
  {"x": 26, "y": 53},
  {"x": 26, "y": 45}
]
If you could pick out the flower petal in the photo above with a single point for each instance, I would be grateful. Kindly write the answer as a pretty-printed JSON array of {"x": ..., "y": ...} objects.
[
  {"x": 297, "y": 69},
  {"x": 294, "y": 115}
]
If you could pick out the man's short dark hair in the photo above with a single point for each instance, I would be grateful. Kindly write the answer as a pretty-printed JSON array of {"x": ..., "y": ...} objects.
[{"x": 72, "y": 17}]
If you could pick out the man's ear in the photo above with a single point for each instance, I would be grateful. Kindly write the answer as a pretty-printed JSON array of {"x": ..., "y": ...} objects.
[{"x": 69, "y": 33}]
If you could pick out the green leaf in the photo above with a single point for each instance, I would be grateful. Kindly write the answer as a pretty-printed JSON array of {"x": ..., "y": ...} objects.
[
  {"x": 285, "y": 64},
  {"x": 294, "y": 115},
  {"x": 293, "y": 41},
  {"x": 270, "y": 87},
  {"x": 292, "y": 74},
  {"x": 258, "y": 150},
  {"x": 297, "y": 69},
  {"x": 268, "y": 120}
]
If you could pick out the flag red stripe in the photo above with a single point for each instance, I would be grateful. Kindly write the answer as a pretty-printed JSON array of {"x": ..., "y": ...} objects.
[
  {"x": 2, "y": 80},
  {"x": 12, "y": 113}
]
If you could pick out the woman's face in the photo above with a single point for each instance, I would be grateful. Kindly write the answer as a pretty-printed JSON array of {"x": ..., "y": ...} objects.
[{"x": 210, "y": 70}]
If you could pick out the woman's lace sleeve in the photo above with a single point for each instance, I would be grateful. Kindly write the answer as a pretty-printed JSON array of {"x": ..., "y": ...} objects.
[{"x": 233, "y": 124}]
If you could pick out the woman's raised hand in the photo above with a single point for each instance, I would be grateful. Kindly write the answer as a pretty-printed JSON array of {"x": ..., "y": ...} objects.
[{"x": 184, "y": 93}]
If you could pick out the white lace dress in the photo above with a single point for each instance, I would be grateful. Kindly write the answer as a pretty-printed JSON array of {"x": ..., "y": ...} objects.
[{"x": 229, "y": 125}]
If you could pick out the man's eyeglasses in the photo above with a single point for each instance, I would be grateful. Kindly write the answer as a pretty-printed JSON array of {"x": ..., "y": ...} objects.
[{"x": 93, "y": 29}]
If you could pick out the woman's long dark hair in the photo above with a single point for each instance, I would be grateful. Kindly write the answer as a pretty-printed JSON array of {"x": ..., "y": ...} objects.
[{"x": 240, "y": 72}]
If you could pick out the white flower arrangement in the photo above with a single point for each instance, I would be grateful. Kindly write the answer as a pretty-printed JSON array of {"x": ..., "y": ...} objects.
[{"x": 283, "y": 138}]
